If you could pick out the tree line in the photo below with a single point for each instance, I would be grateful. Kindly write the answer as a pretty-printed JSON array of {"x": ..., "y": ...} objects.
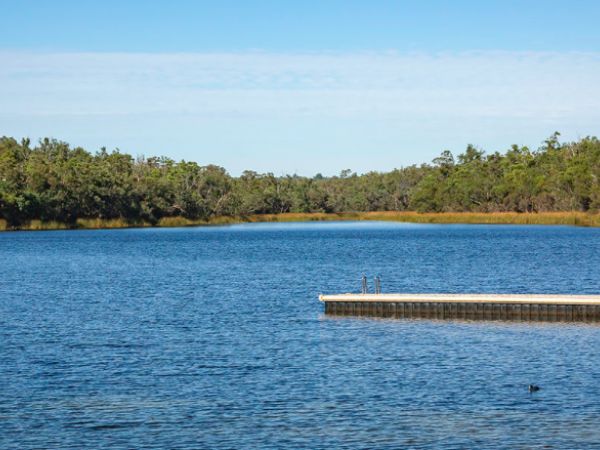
[{"x": 52, "y": 181}]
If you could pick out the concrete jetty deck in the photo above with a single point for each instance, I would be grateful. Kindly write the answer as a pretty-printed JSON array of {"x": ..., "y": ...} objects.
[{"x": 526, "y": 307}]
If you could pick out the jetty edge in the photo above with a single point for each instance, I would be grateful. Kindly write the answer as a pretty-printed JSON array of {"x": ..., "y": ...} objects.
[{"x": 519, "y": 307}]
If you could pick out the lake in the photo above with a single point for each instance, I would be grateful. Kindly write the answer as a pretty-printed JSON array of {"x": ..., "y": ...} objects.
[{"x": 214, "y": 338}]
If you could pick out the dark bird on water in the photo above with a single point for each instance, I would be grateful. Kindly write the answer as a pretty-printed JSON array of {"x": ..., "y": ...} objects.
[{"x": 533, "y": 388}]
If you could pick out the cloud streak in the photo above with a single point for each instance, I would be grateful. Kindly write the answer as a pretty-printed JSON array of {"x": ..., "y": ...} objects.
[{"x": 470, "y": 90}]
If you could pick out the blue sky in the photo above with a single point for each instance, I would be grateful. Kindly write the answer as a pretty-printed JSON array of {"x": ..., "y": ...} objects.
[{"x": 299, "y": 86}]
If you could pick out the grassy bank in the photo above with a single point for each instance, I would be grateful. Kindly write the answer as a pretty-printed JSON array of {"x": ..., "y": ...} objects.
[{"x": 547, "y": 218}]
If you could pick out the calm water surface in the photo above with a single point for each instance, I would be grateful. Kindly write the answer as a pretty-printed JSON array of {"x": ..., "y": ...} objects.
[{"x": 214, "y": 338}]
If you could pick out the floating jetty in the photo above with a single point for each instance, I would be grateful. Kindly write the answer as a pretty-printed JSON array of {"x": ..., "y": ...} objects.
[{"x": 519, "y": 307}]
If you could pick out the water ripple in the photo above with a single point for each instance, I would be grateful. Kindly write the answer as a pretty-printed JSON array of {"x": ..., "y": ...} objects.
[{"x": 213, "y": 338}]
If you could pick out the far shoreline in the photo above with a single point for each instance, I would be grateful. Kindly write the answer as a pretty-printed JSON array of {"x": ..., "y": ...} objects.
[{"x": 573, "y": 218}]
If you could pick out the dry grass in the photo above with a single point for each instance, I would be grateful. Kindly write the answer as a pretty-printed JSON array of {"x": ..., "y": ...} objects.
[
  {"x": 94, "y": 224},
  {"x": 547, "y": 218},
  {"x": 38, "y": 225},
  {"x": 183, "y": 222},
  {"x": 304, "y": 217}
]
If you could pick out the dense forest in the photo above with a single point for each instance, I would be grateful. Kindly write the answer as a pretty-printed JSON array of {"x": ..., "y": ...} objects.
[{"x": 53, "y": 182}]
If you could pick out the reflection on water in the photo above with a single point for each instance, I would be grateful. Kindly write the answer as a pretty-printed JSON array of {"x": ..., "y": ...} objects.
[{"x": 213, "y": 337}]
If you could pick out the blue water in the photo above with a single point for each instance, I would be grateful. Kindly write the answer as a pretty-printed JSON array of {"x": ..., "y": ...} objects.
[{"x": 214, "y": 338}]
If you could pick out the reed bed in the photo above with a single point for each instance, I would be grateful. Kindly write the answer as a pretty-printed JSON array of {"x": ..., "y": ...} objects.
[
  {"x": 94, "y": 224},
  {"x": 38, "y": 225},
  {"x": 507, "y": 218}
]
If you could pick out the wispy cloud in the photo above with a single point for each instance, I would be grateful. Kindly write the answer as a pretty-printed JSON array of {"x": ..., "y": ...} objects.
[{"x": 469, "y": 90}]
